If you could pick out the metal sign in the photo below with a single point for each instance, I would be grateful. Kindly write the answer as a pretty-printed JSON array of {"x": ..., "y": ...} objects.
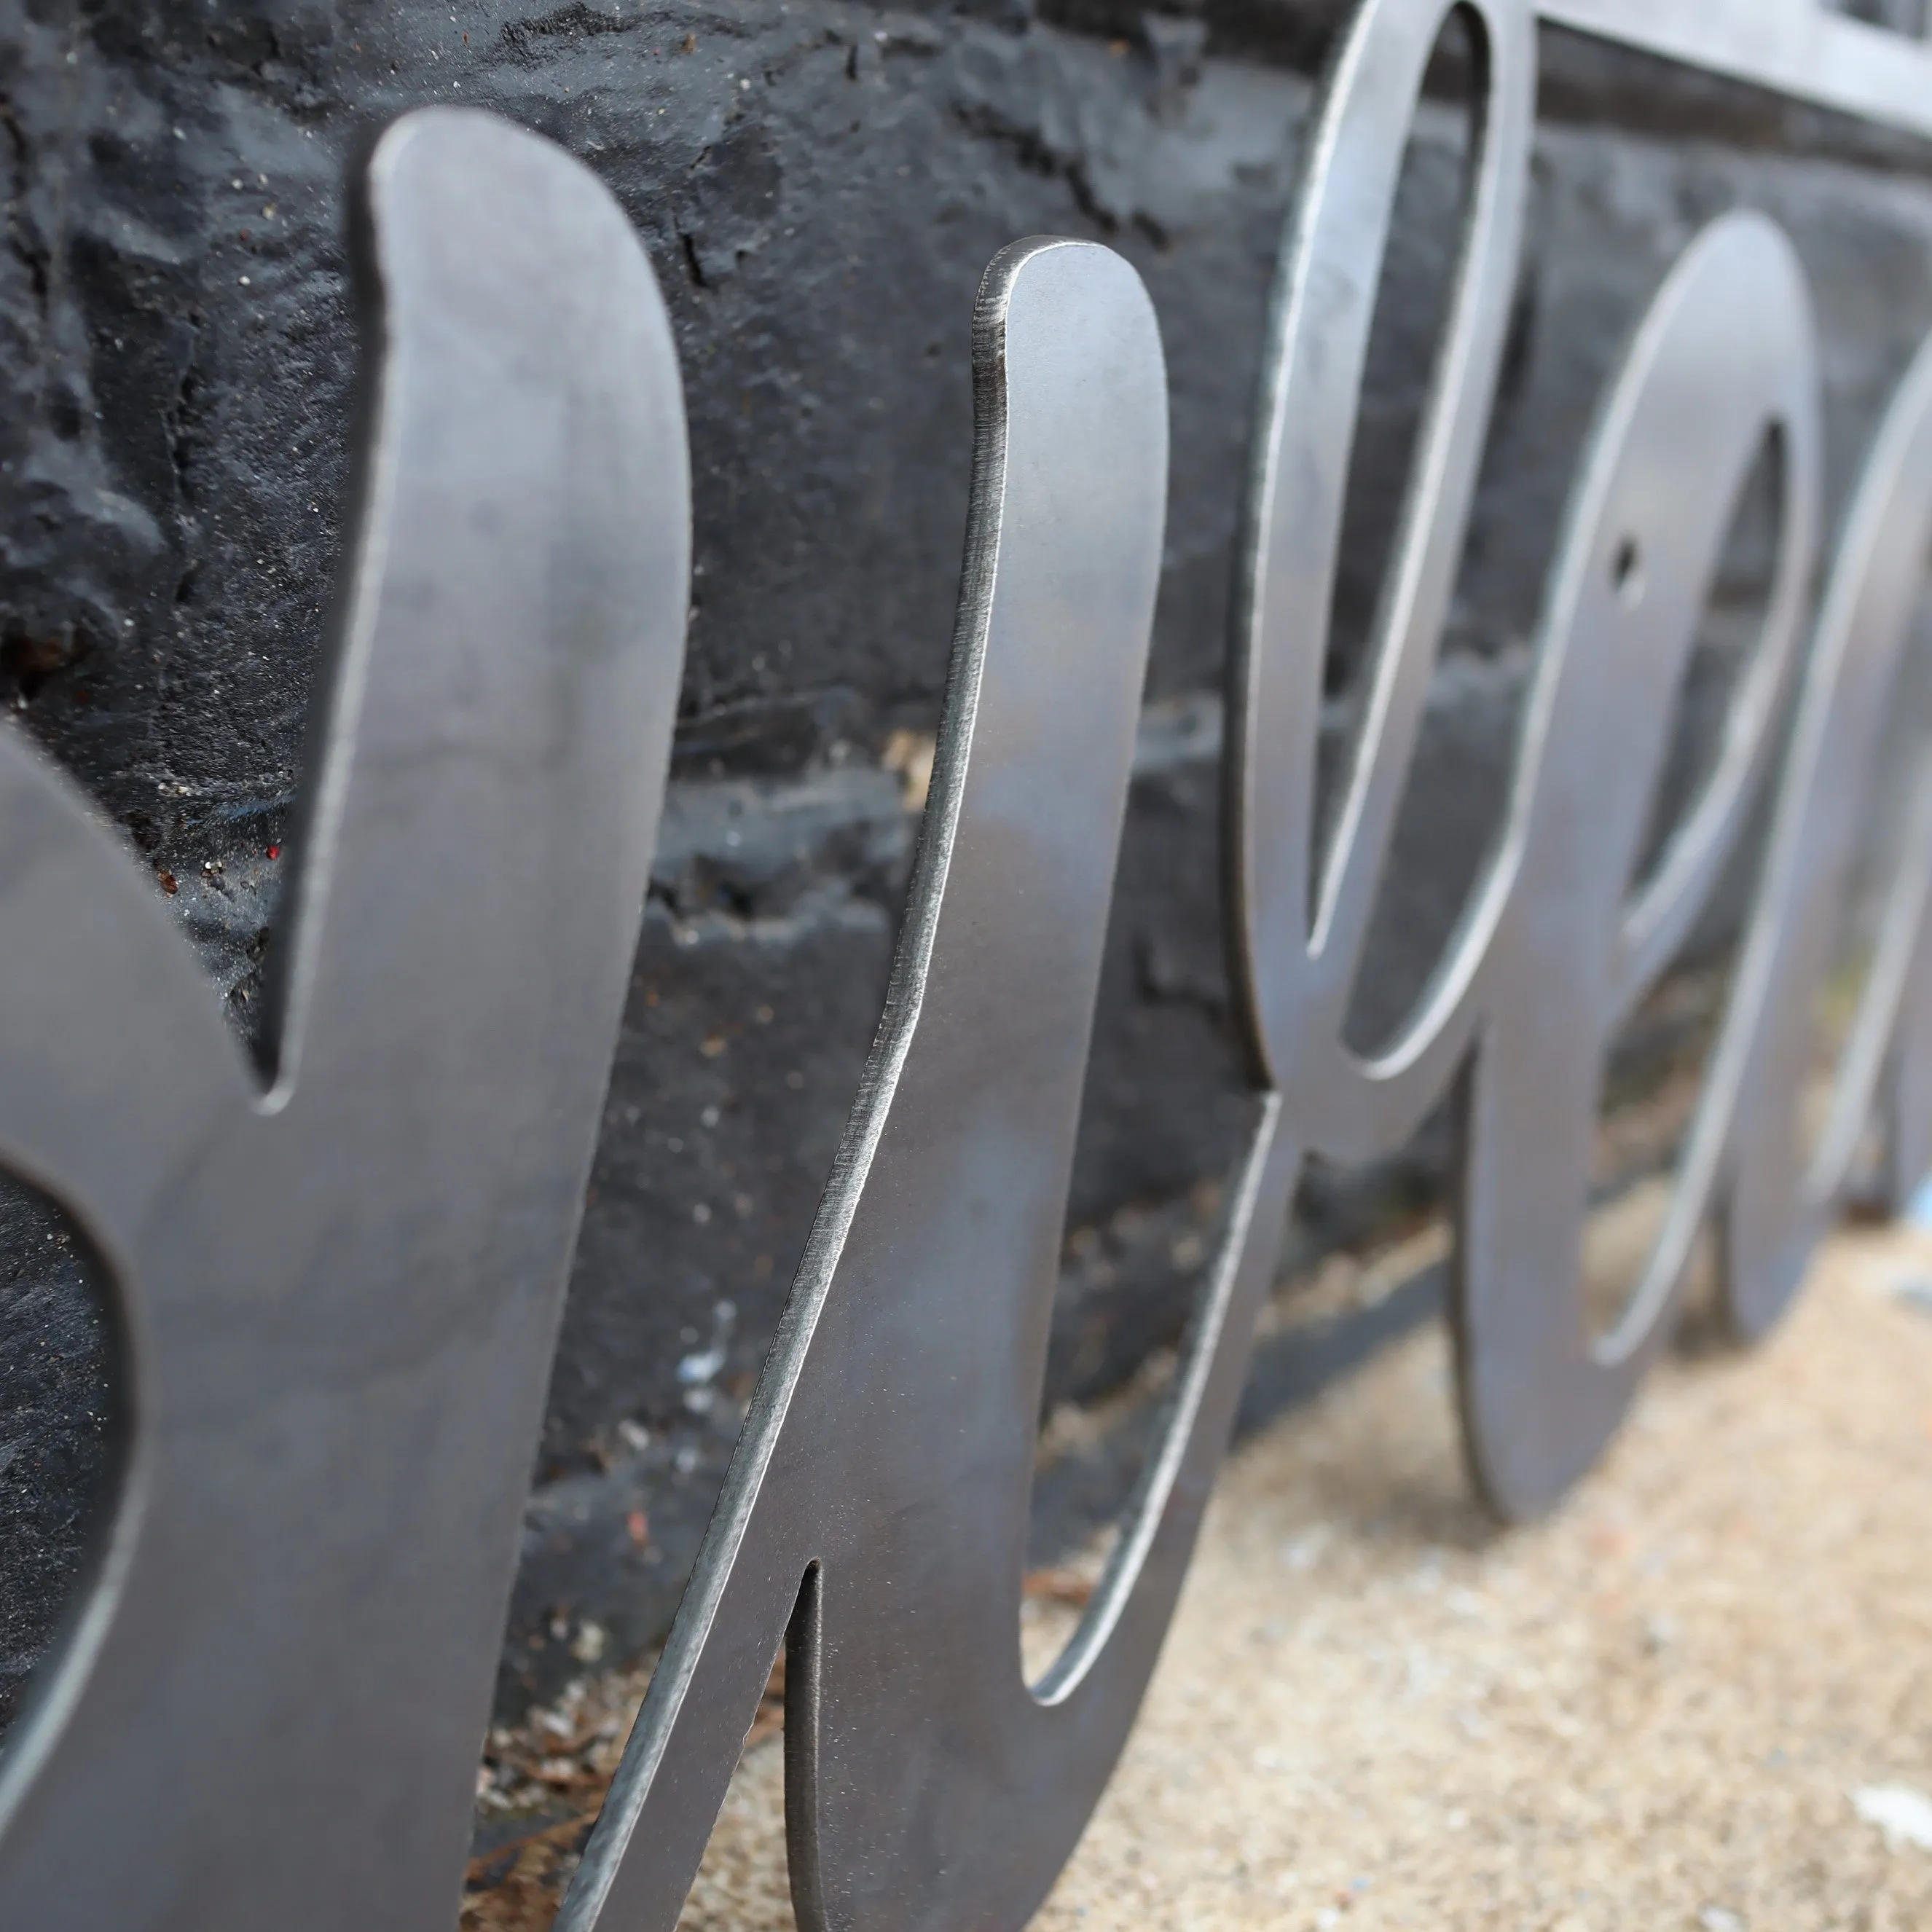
[{"x": 340, "y": 1278}]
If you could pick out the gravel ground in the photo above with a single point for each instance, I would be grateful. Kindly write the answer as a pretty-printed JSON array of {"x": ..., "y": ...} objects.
[{"x": 1655, "y": 1710}]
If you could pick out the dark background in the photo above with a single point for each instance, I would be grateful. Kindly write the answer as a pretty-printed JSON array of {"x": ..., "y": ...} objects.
[{"x": 819, "y": 186}]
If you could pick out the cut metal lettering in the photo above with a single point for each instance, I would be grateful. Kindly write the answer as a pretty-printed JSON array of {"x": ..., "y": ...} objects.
[
  {"x": 339, "y": 1277},
  {"x": 877, "y": 1507},
  {"x": 926, "y": 1785}
]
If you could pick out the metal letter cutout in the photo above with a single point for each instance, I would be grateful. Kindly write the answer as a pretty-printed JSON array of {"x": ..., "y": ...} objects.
[
  {"x": 339, "y": 1283},
  {"x": 341, "y": 1287},
  {"x": 877, "y": 1502}
]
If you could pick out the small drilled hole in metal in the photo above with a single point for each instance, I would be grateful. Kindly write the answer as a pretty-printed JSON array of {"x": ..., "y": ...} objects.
[{"x": 1626, "y": 571}]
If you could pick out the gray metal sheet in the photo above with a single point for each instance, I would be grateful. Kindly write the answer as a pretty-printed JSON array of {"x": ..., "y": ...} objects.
[
  {"x": 341, "y": 1280},
  {"x": 877, "y": 1507}
]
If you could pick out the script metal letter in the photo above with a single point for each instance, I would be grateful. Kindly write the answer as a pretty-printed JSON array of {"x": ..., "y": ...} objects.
[
  {"x": 340, "y": 1291},
  {"x": 1724, "y": 359},
  {"x": 1783, "y": 1189},
  {"x": 1548, "y": 958},
  {"x": 878, "y": 1499},
  {"x": 1300, "y": 917}
]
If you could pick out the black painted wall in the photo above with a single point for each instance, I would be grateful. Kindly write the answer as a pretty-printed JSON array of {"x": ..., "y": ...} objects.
[{"x": 819, "y": 185}]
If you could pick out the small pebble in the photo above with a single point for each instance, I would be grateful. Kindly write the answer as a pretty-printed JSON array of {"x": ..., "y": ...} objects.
[{"x": 1903, "y": 1814}]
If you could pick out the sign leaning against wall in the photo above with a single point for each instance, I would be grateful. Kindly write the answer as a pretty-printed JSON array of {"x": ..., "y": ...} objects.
[{"x": 288, "y": 1646}]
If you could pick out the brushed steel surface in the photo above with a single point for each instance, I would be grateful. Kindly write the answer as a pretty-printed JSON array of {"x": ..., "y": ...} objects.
[
  {"x": 1786, "y": 1180},
  {"x": 876, "y": 1506},
  {"x": 1725, "y": 357},
  {"x": 1299, "y": 915},
  {"x": 874, "y": 1518},
  {"x": 340, "y": 1276},
  {"x": 340, "y": 1279},
  {"x": 1548, "y": 958}
]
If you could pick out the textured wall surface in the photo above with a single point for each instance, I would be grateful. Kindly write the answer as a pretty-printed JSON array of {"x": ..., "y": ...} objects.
[{"x": 820, "y": 186}]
